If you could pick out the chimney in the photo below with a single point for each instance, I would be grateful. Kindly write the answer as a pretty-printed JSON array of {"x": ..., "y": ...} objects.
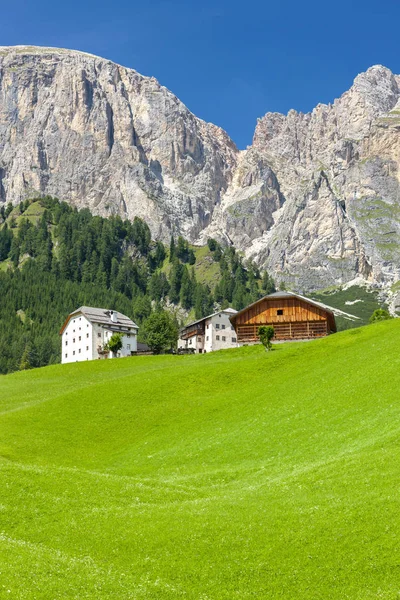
[{"x": 113, "y": 316}]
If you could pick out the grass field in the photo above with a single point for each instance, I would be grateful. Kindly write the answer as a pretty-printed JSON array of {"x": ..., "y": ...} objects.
[{"x": 238, "y": 474}]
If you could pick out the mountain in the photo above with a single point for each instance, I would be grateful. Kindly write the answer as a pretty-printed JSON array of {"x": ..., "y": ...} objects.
[
  {"x": 315, "y": 199},
  {"x": 104, "y": 137}
]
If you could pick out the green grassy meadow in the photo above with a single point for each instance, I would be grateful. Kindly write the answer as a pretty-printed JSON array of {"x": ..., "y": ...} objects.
[{"x": 239, "y": 474}]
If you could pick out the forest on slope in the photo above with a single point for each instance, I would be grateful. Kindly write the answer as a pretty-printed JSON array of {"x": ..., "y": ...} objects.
[{"x": 55, "y": 258}]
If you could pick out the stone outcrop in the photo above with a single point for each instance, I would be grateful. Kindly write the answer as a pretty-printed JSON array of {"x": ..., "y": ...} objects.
[
  {"x": 315, "y": 199},
  {"x": 337, "y": 171},
  {"x": 98, "y": 135}
]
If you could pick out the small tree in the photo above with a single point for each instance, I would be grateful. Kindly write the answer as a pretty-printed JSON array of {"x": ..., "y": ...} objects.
[
  {"x": 25, "y": 362},
  {"x": 266, "y": 333},
  {"x": 172, "y": 249},
  {"x": 160, "y": 331},
  {"x": 212, "y": 244},
  {"x": 114, "y": 344},
  {"x": 380, "y": 314}
]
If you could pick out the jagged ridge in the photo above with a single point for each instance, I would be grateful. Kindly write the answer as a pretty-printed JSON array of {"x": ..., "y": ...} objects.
[{"x": 315, "y": 199}]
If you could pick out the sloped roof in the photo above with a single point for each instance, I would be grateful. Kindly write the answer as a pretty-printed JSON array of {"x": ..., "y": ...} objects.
[
  {"x": 101, "y": 316},
  {"x": 330, "y": 309},
  {"x": 230, "y": 311}
]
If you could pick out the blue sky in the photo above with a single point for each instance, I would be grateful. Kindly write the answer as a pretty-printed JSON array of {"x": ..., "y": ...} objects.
[{"x": 229, "y": 61}]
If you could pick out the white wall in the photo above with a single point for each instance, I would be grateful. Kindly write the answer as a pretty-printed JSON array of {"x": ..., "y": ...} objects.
[
  {"x": 217, "y": 328},
  {"x": 81, "y": 339},
  {"x": 129, "y": 342},
  {"x": 77, "y": 340}
]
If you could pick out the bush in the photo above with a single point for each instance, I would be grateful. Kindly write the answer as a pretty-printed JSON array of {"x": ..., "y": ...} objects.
[
  {"x": 380, "y": 314},
  {"x": 266, "y": 333},
  {"x": 114, "y": 344}
]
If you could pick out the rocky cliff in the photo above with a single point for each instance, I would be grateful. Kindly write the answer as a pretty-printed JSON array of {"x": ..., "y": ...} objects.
[
  {"x": 327, "y": 185},
  {"x": 101, "y": 136},
  {"x": 315, "y": 199}
]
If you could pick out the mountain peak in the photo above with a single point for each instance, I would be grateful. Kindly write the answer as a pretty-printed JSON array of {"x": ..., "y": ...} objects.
[{"x": 315, "y": 199}]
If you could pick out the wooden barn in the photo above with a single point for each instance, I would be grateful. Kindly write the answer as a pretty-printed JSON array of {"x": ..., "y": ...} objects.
[{"x": 293, "y": 317}]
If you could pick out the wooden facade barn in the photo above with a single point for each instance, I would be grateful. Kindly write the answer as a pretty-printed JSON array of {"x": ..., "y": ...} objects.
[{"x": 292, "y": 316}]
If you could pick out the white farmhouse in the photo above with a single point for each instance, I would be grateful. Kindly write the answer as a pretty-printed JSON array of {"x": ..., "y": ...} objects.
[
  {"x": 214, "y": 332},
  {"x": 87, "y": 330}
]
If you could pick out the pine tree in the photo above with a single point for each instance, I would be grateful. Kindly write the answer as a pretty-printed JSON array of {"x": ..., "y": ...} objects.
[
  {"x": 182, "y": 249},
  {"x": 6, "y": 237},
  {"x": 14, "y": 251},
  {"x": 24, "y": 363},
  {"x": 175, "y": 280},
  {"x": 186, "y": 292},
  {"x": 239, "y": 299},
  {"x": 268, "y": 284},
  {"x": 203, "y": 301},
  {"x": 141, "y": 308},
  {"x": 172, "y": 249},
  {"x": 64, "y": 263},
  {"x": 114, "y": 272},
  {"x": 191, "y": 257}
]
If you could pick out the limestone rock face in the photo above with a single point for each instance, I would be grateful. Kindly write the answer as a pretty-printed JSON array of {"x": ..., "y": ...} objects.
[
  {"x": 337, "y": 172},
  {"x": 315, "y": 199},
  {"x": 102, "y": 136}
]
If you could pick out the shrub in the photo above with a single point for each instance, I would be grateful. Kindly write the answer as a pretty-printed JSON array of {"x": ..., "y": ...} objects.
[
  {"x": 380, "y": 314},
  {"x": 266, "y": 333},
  {"x": 114, "y": 344}
]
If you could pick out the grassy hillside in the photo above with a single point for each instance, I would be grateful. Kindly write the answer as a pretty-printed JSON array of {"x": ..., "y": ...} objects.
[
  {"x": 357, "y": 300},
  {"x": 238, "y": 474}
]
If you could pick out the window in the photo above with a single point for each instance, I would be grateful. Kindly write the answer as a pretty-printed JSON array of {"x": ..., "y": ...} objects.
[
  {"x": 73, "y": 352},
  {"x": 79, "y": 350},
  {"x": 208, "y": 325},
  {"x": 233, "y": 329},
  {"x": 80, "y": 318},
  {"x": 87, "y": 348},
  {"x": 207, "y": 339},
  {"x": 128, "y": 347},
  {"x": 223, "y": 338},
  {"x": 217, "y": 326},
  {"x": 128, "y": 335},
  {"x": 73, "y": 331},
  {"x": 66, "y": 356},
  {"x": 87, "y": 335},
  {"x": 87, "y": 325},
  {"x": 99, "y": 334},
  {"x": 80, "y": 338},
  {"x": 73, "y": 341},
  {"x": 222, "y": 326},
  {"x": 66, "y": 343},
  {"x": 80, "y": 328},
  {"x": 279, "y": 311},
  {"x": 233, "y": 340},
  {"x": 190, "y": 341},
  {"x": 217, "y": 338}
]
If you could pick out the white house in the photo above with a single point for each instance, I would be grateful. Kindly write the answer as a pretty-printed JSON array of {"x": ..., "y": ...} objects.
[
  {"x": 87, "y": 330},
  {"x": 214, "y": 332}
]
